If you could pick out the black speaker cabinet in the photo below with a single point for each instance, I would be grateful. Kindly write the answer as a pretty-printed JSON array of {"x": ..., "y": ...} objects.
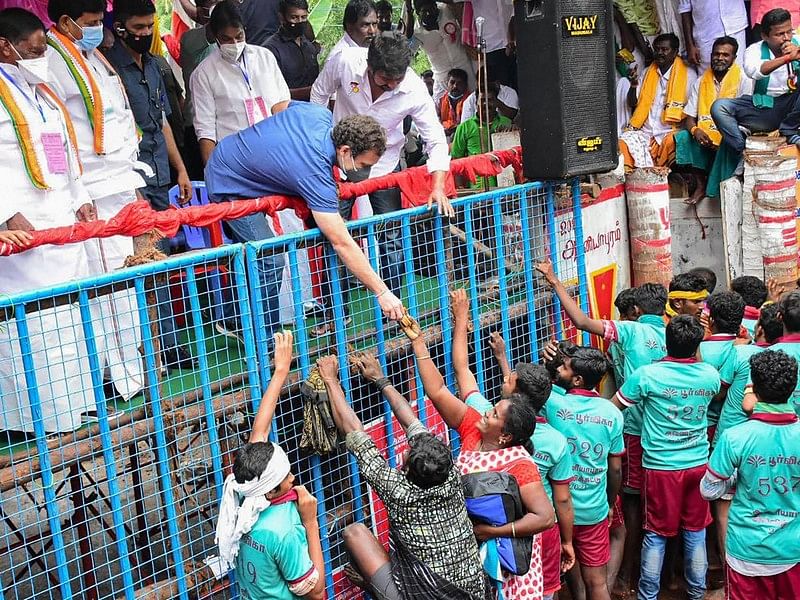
[{"x": 565, "y": 62}]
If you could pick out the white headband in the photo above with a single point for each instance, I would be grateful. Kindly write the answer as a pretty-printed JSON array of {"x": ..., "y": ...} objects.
[{"x": 236, "y": 520}]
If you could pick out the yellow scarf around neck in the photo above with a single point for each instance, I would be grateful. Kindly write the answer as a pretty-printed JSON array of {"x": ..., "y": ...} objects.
[
  {"x": 675, "y": 96},
  {"x": 729, "y": 88}
]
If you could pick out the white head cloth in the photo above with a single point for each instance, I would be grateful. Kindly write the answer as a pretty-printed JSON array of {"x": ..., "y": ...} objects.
[{"x": 235, "y": 520}]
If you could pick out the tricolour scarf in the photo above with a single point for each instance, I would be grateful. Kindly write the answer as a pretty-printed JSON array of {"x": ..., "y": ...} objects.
[{"x": 22, "y": 130}]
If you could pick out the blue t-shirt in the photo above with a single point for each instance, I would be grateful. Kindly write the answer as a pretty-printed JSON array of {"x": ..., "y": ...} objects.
[
  {"x": 674, "y": 395},
  {"x": 790, "y": 344},
  {"x": 732, "y": 412},
  {"x": 641, "y": 342},
  {"x": 290, "y": 154},
  {"x": 718, "y": 351},
  {"x": 593, "y": 428},
  {"x": 273, "y": 554},
  {"x": 764, "y": 518}
]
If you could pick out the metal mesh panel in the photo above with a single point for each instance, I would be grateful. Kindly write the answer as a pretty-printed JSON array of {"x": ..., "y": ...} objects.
[{"x": 111, "y": 483}]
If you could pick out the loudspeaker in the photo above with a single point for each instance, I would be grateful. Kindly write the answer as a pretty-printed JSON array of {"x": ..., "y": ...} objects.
[{"x": 565, "y": 62}]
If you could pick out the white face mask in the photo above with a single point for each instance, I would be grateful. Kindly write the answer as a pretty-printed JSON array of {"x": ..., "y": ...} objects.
[
  {"x": 232, "y": 52},
  {"x": 33, "y": 70}
]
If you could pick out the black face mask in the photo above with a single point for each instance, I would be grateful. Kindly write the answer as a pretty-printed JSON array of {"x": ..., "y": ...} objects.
[
  {"x": 294, "y": 30},
  {"x": 138, "y": 43},
  {"x": 358, "y": 175}
]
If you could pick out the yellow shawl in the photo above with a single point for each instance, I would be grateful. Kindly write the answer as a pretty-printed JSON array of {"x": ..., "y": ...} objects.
[
  {"x": 729, "y": 88},
  {"x": 675, "y": 97}
]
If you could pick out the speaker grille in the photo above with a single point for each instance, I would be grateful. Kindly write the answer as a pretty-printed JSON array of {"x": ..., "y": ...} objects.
[{"x": 566, "y": 87}]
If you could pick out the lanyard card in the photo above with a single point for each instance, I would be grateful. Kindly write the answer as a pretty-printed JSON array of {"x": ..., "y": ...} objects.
[
  {"x": 256, "y": 110},
  {"x": 55, "y": 153}
]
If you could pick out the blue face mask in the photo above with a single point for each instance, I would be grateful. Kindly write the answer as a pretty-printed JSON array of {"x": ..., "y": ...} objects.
[{"x": 92, "y": 38}]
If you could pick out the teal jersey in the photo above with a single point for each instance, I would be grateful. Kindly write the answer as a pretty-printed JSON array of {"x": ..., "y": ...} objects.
[
  {"x": 273, "y": 554},
  {"x": 764, "y": 518},
  {"x": 732, "y": 413},
  {"x": 593, "y": 428},
  {"x": 641, "y": 342},
  {"x": 674, "y": 395},
  {"x": 790, "y": 344},
  {"x": 717, "y": 351},
  {"x": 550, "y": 447}
]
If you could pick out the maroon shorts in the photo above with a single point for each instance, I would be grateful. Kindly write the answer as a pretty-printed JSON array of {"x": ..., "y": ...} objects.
[
  {"x": 617, "y": 517},
  {"x": 632, "y": 464},
  {"x": 672, "y": 501},
  {"x": 551, "y": 559},
  {"x": 784, "y": 586},
  {"x": 592, "y": 544}
]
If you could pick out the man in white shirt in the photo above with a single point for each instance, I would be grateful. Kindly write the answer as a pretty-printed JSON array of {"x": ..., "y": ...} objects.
[
  {"x": 501, "y": 62},
  {"x": 105, "y": 130},
  {"x": 237, "y": 85},
  {"x": 439, "y": 34},
  {"x": 380, "y": 83},
  {"x": 360, "y": 23},
  {"x": 706, "y": 20},
  {"x": 657, "y": 106},
  {"x": 775, "y": 103},
  {"x": 697, "y": 144}
]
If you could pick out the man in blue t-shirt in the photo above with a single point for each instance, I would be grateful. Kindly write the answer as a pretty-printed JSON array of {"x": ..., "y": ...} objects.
[
  {"x": 759, "y": 459},
  {"x": 293, "y": 154},
  {"x": 674, "y": 394}
]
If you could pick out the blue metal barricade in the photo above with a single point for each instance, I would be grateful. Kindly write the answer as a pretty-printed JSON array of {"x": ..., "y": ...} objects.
[{"x": 113, "y": 459}]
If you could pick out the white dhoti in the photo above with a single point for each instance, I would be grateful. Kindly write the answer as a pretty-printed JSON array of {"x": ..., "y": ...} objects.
[
  {"x": 55, "y": 335},
  {"x": 115, "y": 317}
]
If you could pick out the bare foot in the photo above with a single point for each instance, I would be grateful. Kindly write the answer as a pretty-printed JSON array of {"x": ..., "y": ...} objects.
[{"x": 696, "y": 197}]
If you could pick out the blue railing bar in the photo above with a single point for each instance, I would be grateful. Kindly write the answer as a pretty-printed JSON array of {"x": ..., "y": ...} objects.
[
  {"x": 162, "y": 460},
  {"x": 205, "y": 380},
  {"x": 256, "y": 297},
  {"x": 305, "y": 367},
  {"x": 528, "y": 258},
  {"x": 105, "y": 439},
  {"x": 123, "y": 275},
  {"x": 246, "y": 323},
  {"x": 444, "y": 303},
  {"x": 380, "y": 338},
  {"x": 551, "y": 230},
  {"x": 474, "y": 305},
  {"x": 48, "y": 487},
  {"x": 413, "y": 308},
  {"x": 344, "y": 367},
  {"x": 583, "y": 290},
  {"x": 212, "y": 254},
  {"x": 500, "y": 250}
]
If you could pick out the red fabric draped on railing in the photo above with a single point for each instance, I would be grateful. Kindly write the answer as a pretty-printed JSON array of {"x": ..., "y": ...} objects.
[{"x": 138, "y": 218}]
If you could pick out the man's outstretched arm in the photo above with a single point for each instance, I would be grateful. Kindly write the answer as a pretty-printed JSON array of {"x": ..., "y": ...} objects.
[
  {"x": 343, "y": 415},
  {"x": 370, "y": 369},
  {"x": 579, "y": 318}
]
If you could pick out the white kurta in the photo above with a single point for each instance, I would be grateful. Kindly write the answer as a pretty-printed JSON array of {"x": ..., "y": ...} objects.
[
  {"x": 55, "y": 334},
  {"x": 110, "y": 179}
]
